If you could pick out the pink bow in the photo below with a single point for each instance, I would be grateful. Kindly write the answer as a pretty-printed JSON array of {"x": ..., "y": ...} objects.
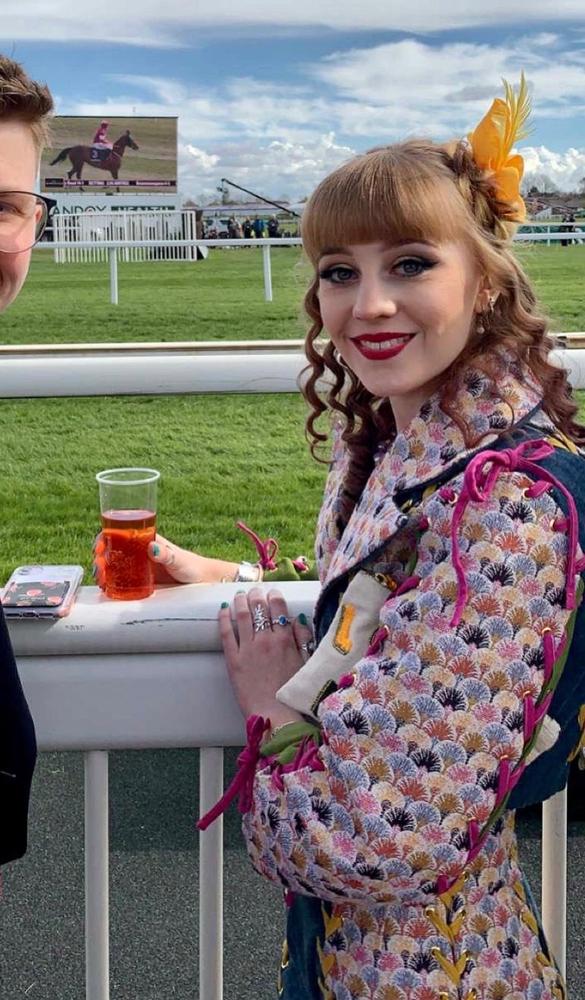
[{"x": 243, "y": 782}]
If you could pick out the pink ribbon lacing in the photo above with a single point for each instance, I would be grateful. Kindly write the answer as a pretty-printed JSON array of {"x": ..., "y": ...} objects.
[
  {"x": 479, "y": 480},
  {"x": 243, "y": 782},
  {"x": 266, "y": 550}
]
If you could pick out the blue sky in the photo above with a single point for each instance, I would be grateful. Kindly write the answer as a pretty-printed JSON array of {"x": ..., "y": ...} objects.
[{"x": 274, "y": 95}]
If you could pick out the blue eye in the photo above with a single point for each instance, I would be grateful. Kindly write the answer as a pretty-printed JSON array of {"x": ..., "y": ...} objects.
[
  {"x": 339, "y": 274},
  {"x": 413, "y": 266}
]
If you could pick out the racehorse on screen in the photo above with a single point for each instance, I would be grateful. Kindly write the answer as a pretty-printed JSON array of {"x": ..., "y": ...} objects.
[{"x": 111, "y": 159}]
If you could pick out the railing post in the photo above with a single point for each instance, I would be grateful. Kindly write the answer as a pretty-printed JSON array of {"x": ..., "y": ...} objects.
[
  {"x": 267, "y": 273},
  {"x": 554, "y": 876},
  {"x": 113, "y": 255},
  {"x": 97, "y": 957},
  {"x": 211, "y": 877}
]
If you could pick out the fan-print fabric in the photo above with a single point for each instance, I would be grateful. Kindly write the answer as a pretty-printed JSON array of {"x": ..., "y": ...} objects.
[{"x": 402, "y": 829}]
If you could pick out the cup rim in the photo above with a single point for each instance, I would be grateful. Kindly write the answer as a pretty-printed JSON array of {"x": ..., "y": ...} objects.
[{"x": 153, "y": 475}]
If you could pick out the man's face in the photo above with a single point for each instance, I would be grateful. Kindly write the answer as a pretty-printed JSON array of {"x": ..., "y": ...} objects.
[{"x": 18, "y": 170}]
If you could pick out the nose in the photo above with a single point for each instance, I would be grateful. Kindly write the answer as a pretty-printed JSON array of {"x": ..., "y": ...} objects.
[{"x": 373, "y": 300}]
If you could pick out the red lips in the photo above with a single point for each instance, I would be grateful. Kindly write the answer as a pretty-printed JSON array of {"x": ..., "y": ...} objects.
[
  {"x": 385, "y": 335},
  {"x": 364, "y": 340}
]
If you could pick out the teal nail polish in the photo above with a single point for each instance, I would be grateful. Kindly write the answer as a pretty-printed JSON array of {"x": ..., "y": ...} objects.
[
  {"x": 240, "y": 591},
  {"x": 303, "y": 619},
  {"x": 156, "y": 550},
  {"x": 224, "y": 604}
]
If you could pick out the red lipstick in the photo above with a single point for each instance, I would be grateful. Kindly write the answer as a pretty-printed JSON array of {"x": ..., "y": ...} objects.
[{"x": 379, "y": 346}]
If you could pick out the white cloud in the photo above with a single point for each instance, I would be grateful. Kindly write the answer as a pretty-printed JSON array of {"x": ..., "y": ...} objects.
[
  {"x": 145, "y": 22},
  {"x": 268, "y": 169},
  {"x": 275, "y": 137},
  {"x": 205, "y": 162},
  {"x": 566, "y": 169}
]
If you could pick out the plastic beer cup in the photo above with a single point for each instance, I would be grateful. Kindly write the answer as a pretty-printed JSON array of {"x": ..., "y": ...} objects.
[{"x": 128, "y": 512}]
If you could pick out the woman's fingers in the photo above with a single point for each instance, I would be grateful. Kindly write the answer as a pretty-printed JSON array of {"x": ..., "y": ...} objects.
[
  {"x": 227, "y": 634},
  {"x": 173, "y": 564},
  {"x": 279, "y": 616},
  {"x": 259, "y": 621},
  {"x": 303, "y": 634}
]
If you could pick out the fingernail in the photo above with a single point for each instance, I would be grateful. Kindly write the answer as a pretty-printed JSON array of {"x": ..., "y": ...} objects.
[
  {"x": 224, "y": 604},
  {"x": 302, "y": 619},
  {"x": 240, "y": 591},
  {"x": 156, "y": 550}
]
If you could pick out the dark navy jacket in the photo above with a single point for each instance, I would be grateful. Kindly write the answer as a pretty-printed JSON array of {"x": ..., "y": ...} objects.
[{"x": 18, "y": 752}]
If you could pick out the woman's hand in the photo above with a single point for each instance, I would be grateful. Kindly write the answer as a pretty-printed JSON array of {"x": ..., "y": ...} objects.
[
  {"x": 172, "y": 564},
  {"x": 266, "y": 654}
]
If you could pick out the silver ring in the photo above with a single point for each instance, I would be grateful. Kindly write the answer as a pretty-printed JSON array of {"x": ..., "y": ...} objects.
[
  {"x": 259, "y": 619},
  {"x": 281, "y": 620},
  {"x": 308, "y": 647}
]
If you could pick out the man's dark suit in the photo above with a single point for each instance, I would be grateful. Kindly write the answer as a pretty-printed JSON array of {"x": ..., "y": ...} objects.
[{"x": 18, "y": 751}]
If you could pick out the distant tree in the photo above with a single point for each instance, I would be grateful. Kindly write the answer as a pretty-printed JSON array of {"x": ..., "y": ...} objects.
[{"x": 582, "y": 186}]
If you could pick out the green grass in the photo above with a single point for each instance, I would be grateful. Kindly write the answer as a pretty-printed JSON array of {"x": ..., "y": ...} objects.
[
  {"x": 221, "y": 298},
  {"x": 222, "y": 458}
]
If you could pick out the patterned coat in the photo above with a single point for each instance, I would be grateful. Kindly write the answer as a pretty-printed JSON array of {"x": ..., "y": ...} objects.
[{"x": 395, "y": 839}]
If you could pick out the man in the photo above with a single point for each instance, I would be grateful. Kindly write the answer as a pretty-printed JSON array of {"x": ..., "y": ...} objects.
[{"x": 24, "y": 110}]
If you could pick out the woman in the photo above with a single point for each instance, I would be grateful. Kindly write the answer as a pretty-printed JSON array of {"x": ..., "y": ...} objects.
[
  {"x": 391, "y": 828},
  {"x": 382, "y": 798}
]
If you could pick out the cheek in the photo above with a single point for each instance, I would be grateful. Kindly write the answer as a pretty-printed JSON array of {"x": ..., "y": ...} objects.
[{"x": 13, "y": 271}]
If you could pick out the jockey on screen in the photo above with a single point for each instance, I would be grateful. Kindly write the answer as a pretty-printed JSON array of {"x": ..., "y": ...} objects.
[{"x": 99, "y": 138}]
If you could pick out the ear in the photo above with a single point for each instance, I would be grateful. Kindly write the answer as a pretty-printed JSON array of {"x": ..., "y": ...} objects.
[{"x": 486, "y": 299}]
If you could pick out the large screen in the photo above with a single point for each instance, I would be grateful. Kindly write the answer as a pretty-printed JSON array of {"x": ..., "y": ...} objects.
[{"x": 89, "y": 154}]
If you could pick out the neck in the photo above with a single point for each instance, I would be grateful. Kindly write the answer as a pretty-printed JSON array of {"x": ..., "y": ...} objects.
[{"x": 406, "y": 408}]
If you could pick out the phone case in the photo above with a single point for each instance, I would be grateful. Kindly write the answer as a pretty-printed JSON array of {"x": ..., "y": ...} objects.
[
  {"x": 41, "y": 591},
  {"x": 35, "y": 594}
]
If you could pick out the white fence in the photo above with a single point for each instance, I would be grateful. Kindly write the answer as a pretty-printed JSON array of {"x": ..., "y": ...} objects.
[
  {"x": 101, "y": 245},
  {"x": 84, "y": 677},
  {"x": 80, "y": 237},
  {"x": 163, "y": 369}
]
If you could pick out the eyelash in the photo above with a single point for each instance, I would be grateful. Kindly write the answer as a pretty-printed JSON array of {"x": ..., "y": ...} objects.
[{"x": 327, "y": 274}]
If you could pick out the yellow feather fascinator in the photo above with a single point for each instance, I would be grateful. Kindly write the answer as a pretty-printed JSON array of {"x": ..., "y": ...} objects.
[{"x": 492, "y": 142}]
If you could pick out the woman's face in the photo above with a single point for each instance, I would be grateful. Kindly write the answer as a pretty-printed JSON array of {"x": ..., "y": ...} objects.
[{"x": 399, "y": 315}]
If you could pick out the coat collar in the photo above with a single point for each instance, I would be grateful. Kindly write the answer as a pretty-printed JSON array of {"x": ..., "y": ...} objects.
[{"x": 430, "y": 445}]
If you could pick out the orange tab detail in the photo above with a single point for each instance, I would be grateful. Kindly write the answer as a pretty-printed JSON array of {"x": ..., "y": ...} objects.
[{"x": 342, "y": 641}]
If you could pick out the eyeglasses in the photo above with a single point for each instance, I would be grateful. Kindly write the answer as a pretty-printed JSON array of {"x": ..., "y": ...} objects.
[{"x": 23, "y": 219}]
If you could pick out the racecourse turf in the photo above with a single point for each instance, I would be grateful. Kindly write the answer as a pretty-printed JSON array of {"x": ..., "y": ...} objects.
[{"x": 222, "y": 458}]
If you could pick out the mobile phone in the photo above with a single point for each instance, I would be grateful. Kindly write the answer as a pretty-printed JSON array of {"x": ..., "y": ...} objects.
[{"x": 41, "y": 591}]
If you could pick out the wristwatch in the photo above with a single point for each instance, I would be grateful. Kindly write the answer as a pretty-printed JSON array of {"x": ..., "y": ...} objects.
[{"x": 248, "y": 573}]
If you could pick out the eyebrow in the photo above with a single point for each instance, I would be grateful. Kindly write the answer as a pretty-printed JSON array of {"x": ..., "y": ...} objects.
[{"x": 328, "y": 251}]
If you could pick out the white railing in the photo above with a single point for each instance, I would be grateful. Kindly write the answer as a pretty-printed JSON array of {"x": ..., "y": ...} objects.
[
  {"x": 160, "y": 369},
  {"x": 114, "y": 246},
  {"x": 84, "y": 676},
  {"x": 80, "y": 237}
]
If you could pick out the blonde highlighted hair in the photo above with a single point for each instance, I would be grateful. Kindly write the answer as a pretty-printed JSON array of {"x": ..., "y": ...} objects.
[
  {"x": 411, "y": 191},
  {"x": 24, "y": 100}
]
